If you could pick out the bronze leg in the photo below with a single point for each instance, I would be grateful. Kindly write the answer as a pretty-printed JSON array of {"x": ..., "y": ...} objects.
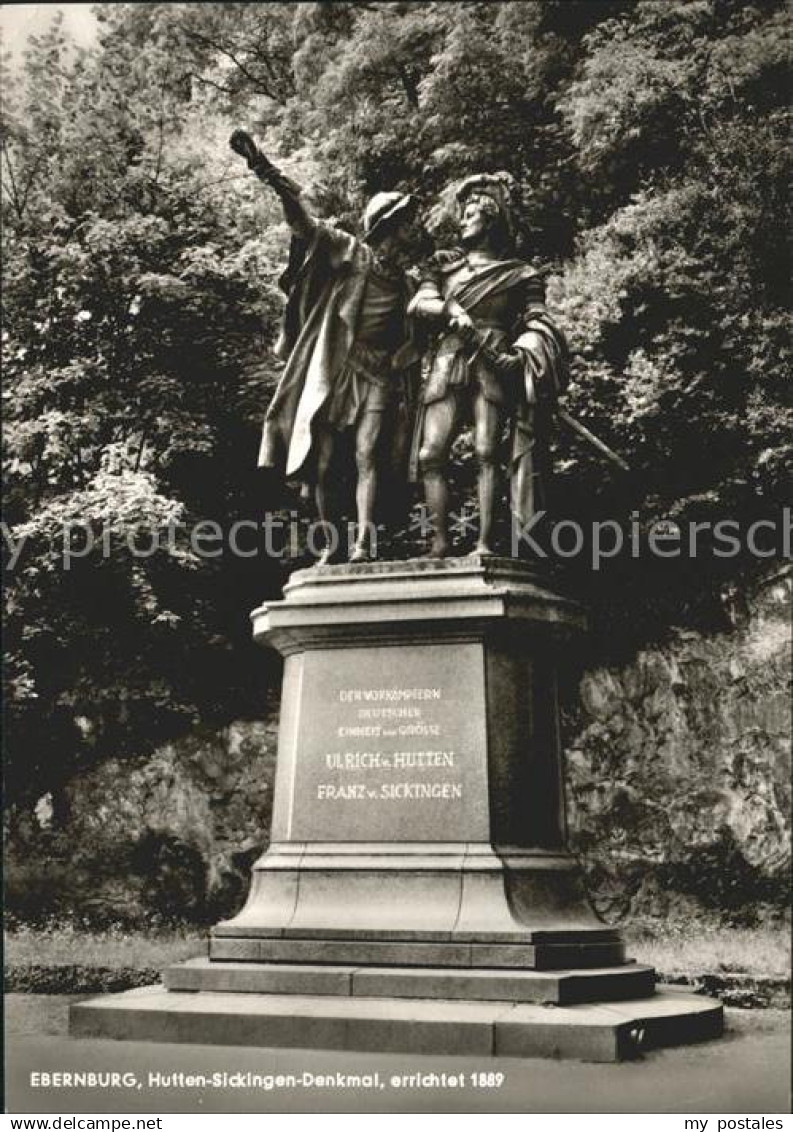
[
  {"x": 487, "y": 428},
  {"x": 322, "y": 496},
  {"x": 440, "y": 419},
  {"x": 366, "y": 489}
]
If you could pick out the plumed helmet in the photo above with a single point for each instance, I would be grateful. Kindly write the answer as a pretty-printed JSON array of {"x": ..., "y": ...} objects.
[{"x": 384, "y": 207}]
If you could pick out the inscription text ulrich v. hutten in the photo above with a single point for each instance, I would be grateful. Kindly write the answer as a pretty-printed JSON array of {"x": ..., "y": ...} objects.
[{"x": 396, "y": 723}]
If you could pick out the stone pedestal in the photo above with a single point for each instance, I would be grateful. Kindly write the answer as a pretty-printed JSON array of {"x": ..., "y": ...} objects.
[
  {"x": 419, "y": 788},
  {"x": 417, "y": 854}
]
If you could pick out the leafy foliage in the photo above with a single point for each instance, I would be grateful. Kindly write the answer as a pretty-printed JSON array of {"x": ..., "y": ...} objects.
[
  {"x": 136, "y": 301},
  {"x": 648, "y": 140}
]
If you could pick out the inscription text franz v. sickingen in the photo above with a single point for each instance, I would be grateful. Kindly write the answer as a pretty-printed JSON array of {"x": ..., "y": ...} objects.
[{"x": 389, "y": 791}]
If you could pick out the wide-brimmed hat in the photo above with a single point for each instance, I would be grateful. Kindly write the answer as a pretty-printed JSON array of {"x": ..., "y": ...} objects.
[{"x": 384, "y": 207}]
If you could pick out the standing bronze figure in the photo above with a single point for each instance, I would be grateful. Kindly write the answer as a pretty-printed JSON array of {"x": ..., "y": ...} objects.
[
  {"x": 498, "y": 357},
  {"x": 346, "y": 340}
]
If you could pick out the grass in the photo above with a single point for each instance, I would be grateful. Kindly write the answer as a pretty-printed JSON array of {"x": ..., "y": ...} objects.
[
  {"x": 68, "y": 945},
  {"x": 752, "y": 951}
]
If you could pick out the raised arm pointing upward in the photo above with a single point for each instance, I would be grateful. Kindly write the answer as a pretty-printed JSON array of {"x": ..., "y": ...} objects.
[{"x": 344, "y": 337}]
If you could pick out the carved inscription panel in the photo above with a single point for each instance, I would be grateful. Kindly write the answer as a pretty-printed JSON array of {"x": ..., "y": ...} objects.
[{"x": 389, "y": 745}]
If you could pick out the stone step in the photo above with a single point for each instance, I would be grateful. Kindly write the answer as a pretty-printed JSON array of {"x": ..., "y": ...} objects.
[
  {"x": 521, "y": 934},
  {"x": 594, "y": 1032},
  {"x": 609, "y": 984},
  {"x": 355, "y": 952}
]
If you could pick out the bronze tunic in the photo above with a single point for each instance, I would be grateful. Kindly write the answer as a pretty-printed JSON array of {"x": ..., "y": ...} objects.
[
  {"x": 497, "y": 314},
  {"x": 366, "y": 383}
]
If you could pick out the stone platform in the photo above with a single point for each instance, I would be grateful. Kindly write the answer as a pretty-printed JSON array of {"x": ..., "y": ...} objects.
[
  {"x": 417, "y": 893},
  {"x": 602, "y": 1031}
]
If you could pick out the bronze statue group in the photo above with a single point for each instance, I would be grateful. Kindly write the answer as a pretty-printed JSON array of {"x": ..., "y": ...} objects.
[{"x": 362, "y": 323}]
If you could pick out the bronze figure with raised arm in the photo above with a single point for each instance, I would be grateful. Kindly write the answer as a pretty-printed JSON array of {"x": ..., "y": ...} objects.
[
  {"x": 498, "y": 357},
  {"x": 346, "y": 341}
]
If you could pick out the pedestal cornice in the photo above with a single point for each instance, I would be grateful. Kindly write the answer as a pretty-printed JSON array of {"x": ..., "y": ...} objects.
[{"x": 462, "y": 598}]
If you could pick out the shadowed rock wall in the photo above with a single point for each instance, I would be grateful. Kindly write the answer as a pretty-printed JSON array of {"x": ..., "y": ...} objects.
[
  {"x": 678, "y": 771},
  {"x": 167, "y": 836}
]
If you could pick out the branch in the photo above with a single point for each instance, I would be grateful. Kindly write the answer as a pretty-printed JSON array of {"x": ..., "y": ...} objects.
[
  {"x": 409, "y": 84},
  {"x": 256, "y": 80},
  {"x": 31, "y": 178},
  {"x": 14, "y": 194},
  {"x": 209, "y": 82},
  {"x": 161, "y": 138},
  {"x": 261, "y": 56},
  {"x": 220, "y": 181},
  {"x": 39, "y": 475},
  {"x": 141, "y": 450}
]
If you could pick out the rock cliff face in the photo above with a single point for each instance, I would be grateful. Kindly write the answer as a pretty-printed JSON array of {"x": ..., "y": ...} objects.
[
  {"x": 169, "y": 836},
  {"x": 678, "y": 771},
  {"x": 194, "y": 816},
  {"x": 678, "y": 788}
]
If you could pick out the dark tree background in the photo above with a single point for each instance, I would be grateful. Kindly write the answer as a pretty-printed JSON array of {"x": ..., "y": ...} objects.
[{"x": 140, "y": 299}]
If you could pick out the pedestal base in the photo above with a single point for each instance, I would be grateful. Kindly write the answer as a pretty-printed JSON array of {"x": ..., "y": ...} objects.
[
  {"x": 444, "y": 904},
  {"x": 419, "y": 789}
]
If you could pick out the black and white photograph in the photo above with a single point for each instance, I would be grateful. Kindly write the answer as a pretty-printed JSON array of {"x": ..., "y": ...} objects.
[{"x": 397, "y": 440}]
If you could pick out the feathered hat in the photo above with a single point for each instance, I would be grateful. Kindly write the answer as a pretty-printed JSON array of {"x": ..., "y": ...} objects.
[{"x": 501, "y": 188}]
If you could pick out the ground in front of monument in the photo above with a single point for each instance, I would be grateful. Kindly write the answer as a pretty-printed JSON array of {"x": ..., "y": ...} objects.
[{"x": 747, "y": 1071}]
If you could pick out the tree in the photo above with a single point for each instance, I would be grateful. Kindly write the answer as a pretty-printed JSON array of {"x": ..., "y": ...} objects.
[
  {"x": 140, "y": 295},
  {"x": 139, "y": 301}
]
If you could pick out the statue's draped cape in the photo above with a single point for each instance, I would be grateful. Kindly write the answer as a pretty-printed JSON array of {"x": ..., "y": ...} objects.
[{"x": 318, "y": 331}]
